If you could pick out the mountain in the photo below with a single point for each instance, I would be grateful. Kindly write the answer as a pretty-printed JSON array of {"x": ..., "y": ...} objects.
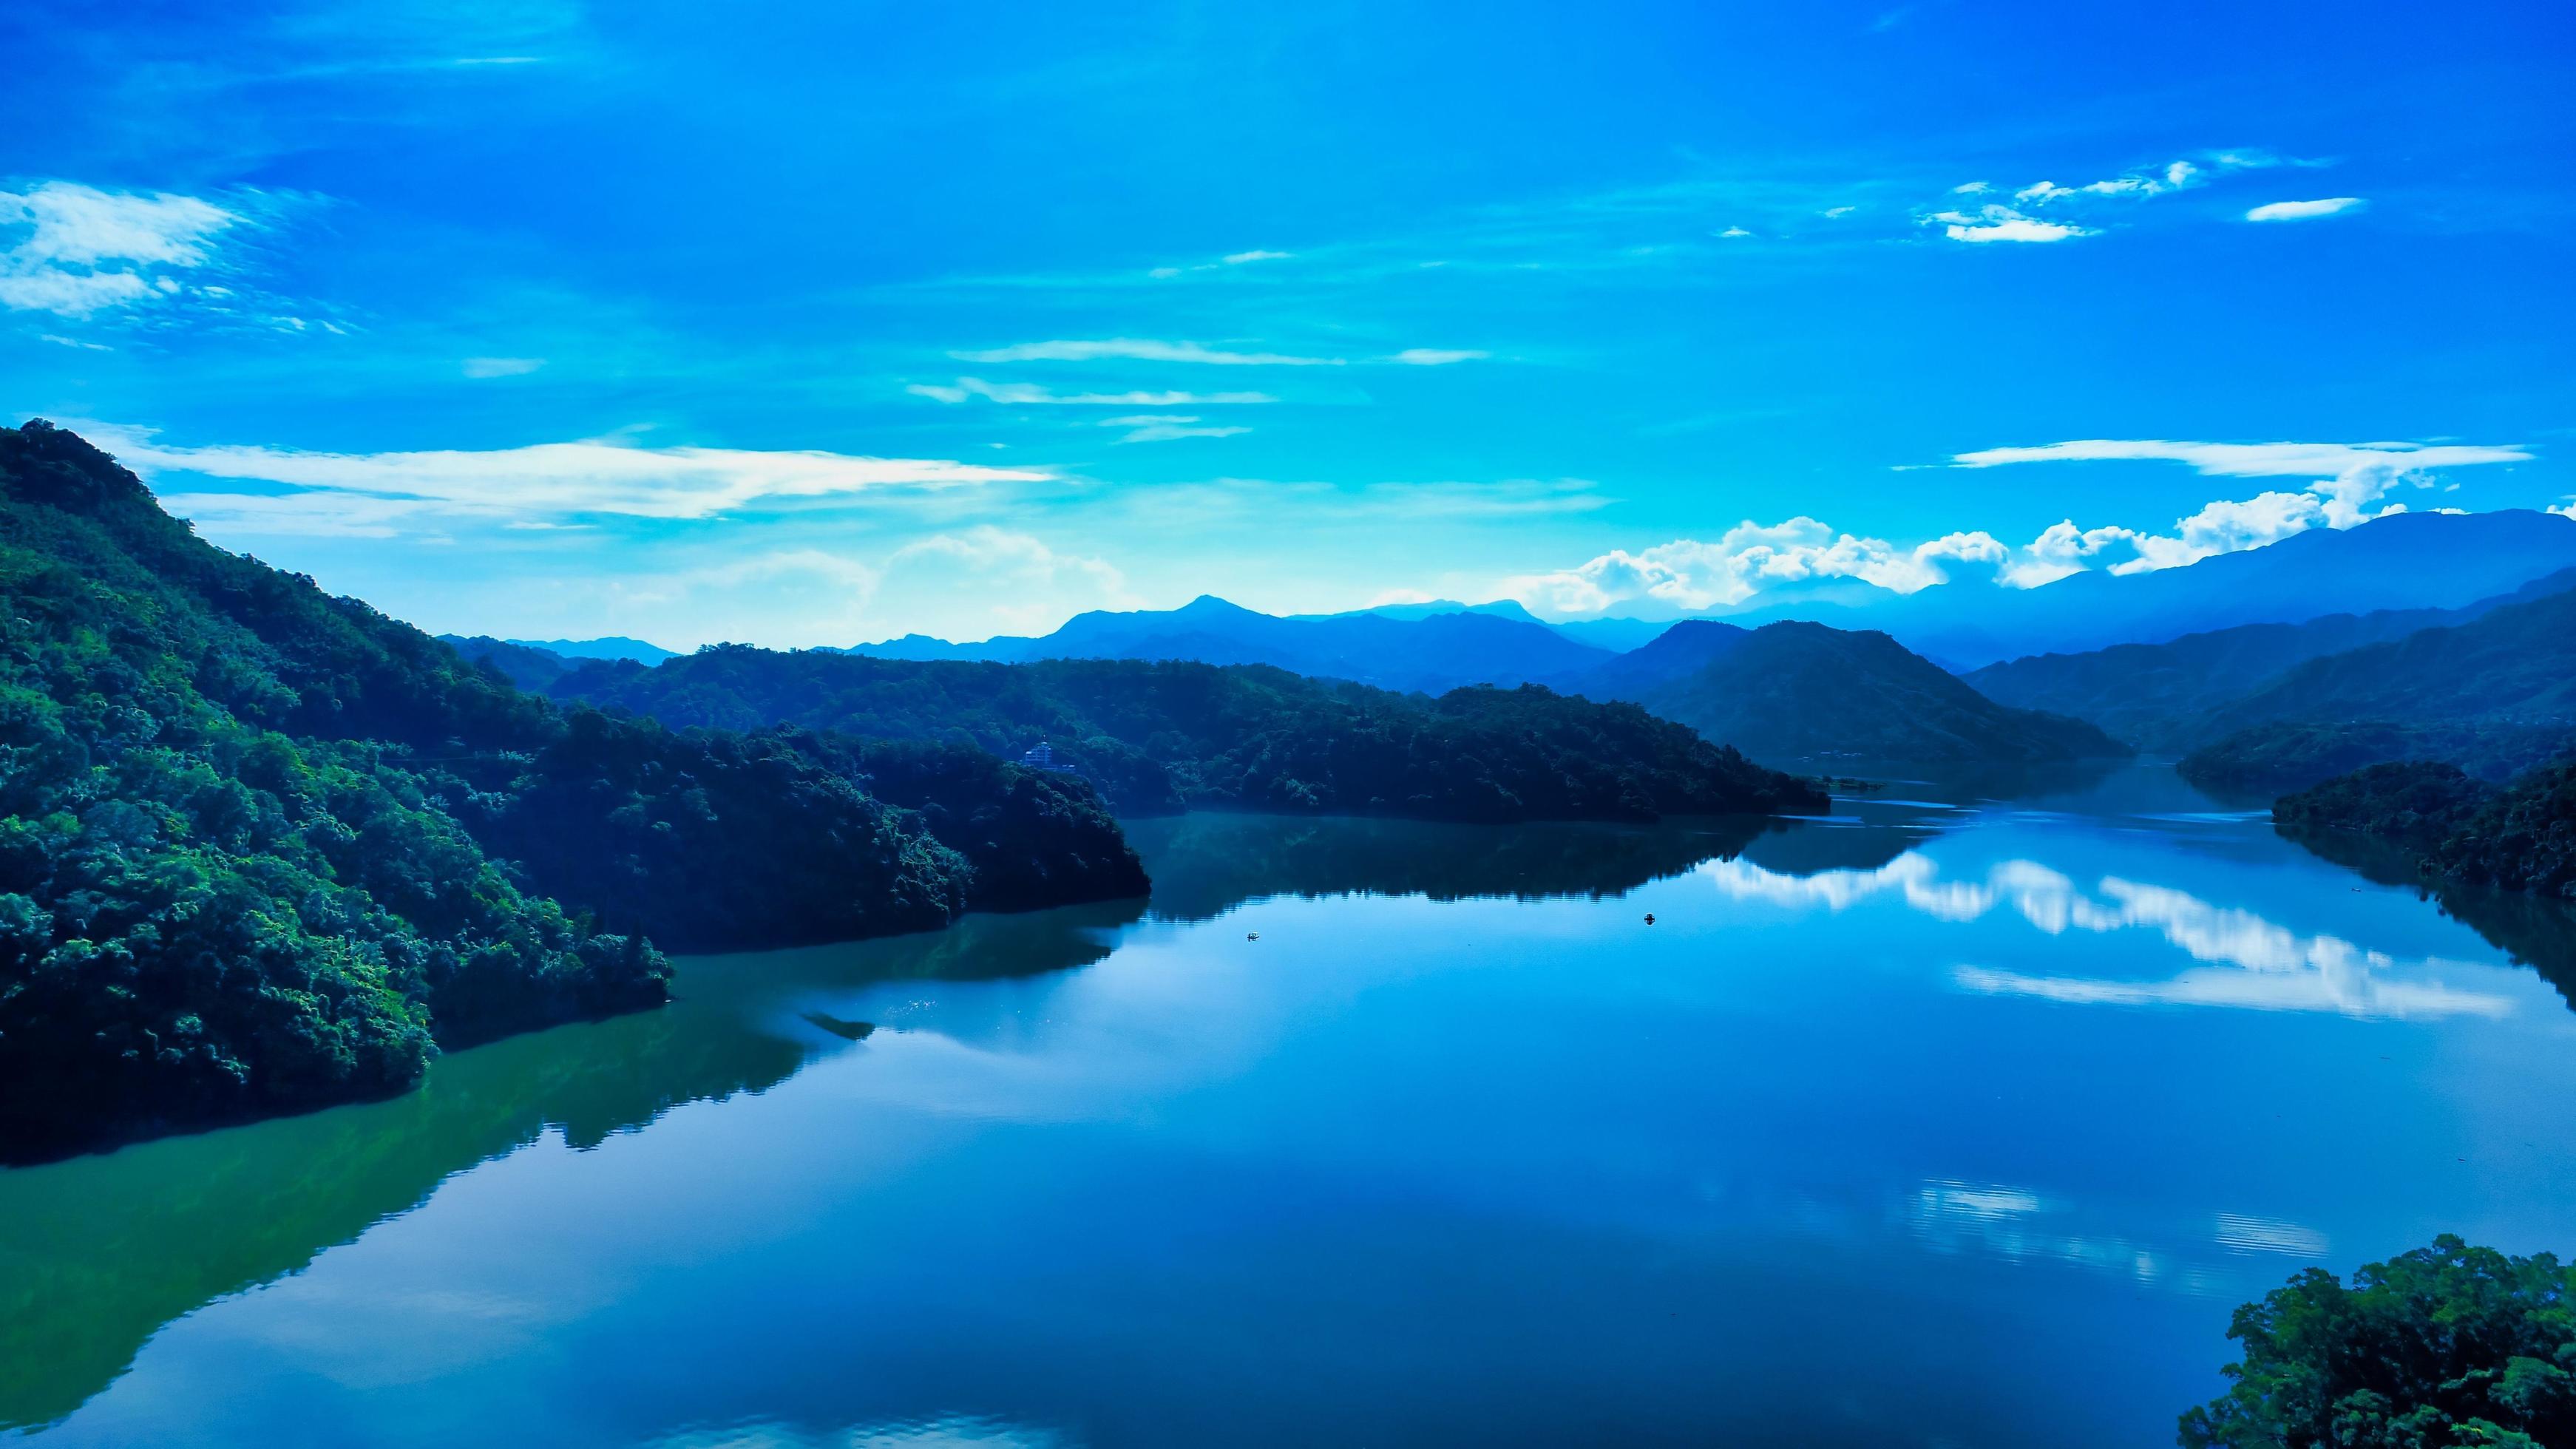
[
  {"x": 1164, "y": 736},
  {"x": 262, "y": 849},
  {"x": 1432, "y": 653},
  {"x": 2160, "y": 696},
  {"x": 525, "y": 665},
  {"x": 2513, "y": 665},
  {"x": 2489, "y": 696},
  {"x": 615, "y": 646},
  {"x": 2405, "y": 561},
  {"x": 1798, "y": 692}
]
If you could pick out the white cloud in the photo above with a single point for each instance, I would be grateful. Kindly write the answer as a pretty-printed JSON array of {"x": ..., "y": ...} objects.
[
  {"x": 2023, "y": 222},
  {"x": 1840, "y": 210},
  {"x": 2003, "y": 224},
  {"x": 543, "y": 479},
  {"x": 74, "y": 250},
  {"x": 1733, "y": 232},
  {"x": 61, "y": 341},
  {"x": 1166, "y": 427},
  {"x": 1140, "y": 350},
  {"x": 2304, "y": 210},
  {"x": 502, "y": 366},
  {"x": 1437, "y": 356},
  {"x": 2350, "y": 479},
  {"x": 2249, "y": 460},
  {"x": 1692, "y": 575},
  {"x": 1689, "y": 575},
  {"x": 1028, "y": 393},
  {"x": 1237, "y": 259}
]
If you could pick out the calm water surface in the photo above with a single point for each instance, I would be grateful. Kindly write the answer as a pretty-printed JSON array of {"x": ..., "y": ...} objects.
[{"x": 1948, "y": 1121}]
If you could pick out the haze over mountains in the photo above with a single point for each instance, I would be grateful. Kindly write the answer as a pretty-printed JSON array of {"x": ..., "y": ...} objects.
[
  {"x": 2413, "y": 561},
  {"x": 2163, "y": 696},
  {"x": 1862, "y": 676}
]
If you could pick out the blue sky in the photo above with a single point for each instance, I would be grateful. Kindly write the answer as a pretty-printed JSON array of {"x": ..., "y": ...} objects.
[{"x": 833, "y": 321}]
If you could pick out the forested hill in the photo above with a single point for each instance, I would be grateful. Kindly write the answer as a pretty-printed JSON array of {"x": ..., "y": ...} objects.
[
  {"x": 1797, "y": 691},
  {"x": 262, "y": 849},
  {"x": 2165, "y": 696},
  {"x": 1160, "y": 737},
  {"x": 2517, "y": 837}
]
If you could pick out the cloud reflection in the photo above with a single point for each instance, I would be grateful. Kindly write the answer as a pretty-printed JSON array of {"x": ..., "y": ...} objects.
[
  {"x": 1949, "y": 1217},
  {"x": 2254, "y": 963}
]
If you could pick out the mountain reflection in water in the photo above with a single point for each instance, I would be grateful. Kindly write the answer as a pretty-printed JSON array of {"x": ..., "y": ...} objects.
[
  {"x": 100, "y": 1251},
  {"x": 1457, "y": 1144}
]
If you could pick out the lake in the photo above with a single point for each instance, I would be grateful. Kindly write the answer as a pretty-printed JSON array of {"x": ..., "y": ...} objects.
[{"x": 1965, "y": 1117}]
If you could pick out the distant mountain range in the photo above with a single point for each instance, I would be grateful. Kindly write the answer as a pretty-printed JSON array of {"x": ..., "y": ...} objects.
[
  {"x": 1400, "y": 650},
  {"x": 2167, "y": 696},
  {"x": 2406, "y": 561},
  {"x": 615, "y": 646}
]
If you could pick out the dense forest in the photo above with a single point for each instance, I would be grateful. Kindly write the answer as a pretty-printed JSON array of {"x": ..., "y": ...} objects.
[
  {"x": 2293, "y": 755},
  {"x": 263, "y": 849},
  {"x": 2516, "y": 837},
  {"x": 2444, "y": 1346},
  {"x": 1163, "y": 737}
]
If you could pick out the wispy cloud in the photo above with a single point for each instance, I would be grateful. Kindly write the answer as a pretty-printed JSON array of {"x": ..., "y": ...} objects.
[
  {"x": 1231, "y": 259},
  {"x": 75, "y": 250},
  {"x": 2251, "y": 460},
  {"x": 2026, "y": 218},
  {"x": 2350, "y": 479},
  {"x": 1166, "y": 428},
  {"x": 1437, "y": 356},
  {"x": 1029, "y": 393},
  {"x": 987, "y": 556},
  {"x": 2305, "y": 210},
  {"x": 1140, "y": 349},
  {"x": 481, "y": 367},
  {"x": 372, "y": 491}
]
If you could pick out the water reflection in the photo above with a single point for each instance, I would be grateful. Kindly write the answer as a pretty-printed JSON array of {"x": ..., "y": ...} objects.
[
  {"x": 2260, "y": 964},
  {"x": 2534, "y": 931},
  {"x": 1206, "y": 865},
  {"x": 1396, "y": 1170},
  {"x": 102, "y": 1250}
]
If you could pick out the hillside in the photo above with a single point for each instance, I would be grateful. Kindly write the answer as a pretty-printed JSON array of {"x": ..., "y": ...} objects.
[
  {"x": 2269, "y": 759},
  {"x": 2160, "y": 696},
  {"x": 262, "y": 849},
  {"x": 2515, "y": 665},
  {"x": 526, "y": 665},
  {"x": 1396, "y": 649},
  {"x": 1795, "y": 692},
  {"x": 2518, "y": 837},
  {"x": 1163, "y": 737}
]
